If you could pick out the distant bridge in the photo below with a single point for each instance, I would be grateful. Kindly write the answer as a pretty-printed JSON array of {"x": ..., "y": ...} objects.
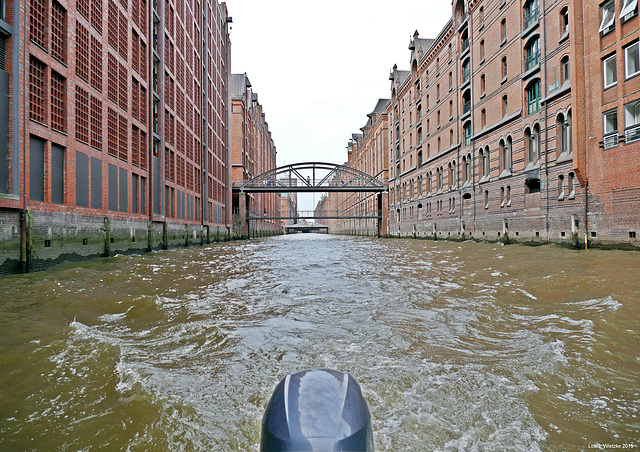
[
  {"x": 310, "y": 177},
  {"x": 305, "y": 227}
]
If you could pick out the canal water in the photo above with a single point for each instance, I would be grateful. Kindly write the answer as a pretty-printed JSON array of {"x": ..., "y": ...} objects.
[{"x": 457, "y": 346}]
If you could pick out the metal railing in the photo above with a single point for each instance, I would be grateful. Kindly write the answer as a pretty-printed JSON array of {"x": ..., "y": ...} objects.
[
  {"x": 632, "y": 134},
  {"x": 532, "y": 61},
  {"x": 610, "y": 141},
  {"x": 531, "y": 18}
]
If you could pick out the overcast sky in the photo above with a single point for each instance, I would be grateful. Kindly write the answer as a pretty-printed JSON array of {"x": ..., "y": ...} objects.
[{"x": 320, "y": 67}]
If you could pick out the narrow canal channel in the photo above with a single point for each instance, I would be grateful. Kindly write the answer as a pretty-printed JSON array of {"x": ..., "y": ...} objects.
[{"x": 457, "y": 346}]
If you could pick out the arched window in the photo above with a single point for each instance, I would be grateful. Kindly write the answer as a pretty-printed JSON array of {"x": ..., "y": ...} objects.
[
  {"x": 466, "y": 101},
  {"x": 564, "y": 21},
  {"x": 467, "y": 167},
  {"x": 467, "y": 133},
  {"x": 530, "y": 13},
  {"x": 452, "y": 174},
  {"x": 532, "y": 53},
  {"x": 485, "y": 162},
  {"x": 565, "y": 74},
  {"x": 466, "y": 70},
  {"x": 532, "y": 139}
]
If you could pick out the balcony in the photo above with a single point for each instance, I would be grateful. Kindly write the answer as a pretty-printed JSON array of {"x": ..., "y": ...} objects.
[
  {"x": 632, "y": 134},
  {"x": 610, "y": 141}
]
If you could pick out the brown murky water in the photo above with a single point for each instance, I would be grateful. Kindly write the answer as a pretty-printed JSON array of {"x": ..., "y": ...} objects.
[{"x": 457, "y": 346}]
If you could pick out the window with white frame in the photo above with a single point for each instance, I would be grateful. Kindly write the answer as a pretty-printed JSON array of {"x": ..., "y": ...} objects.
[
  {"x": 609, "y": 71},
  {"x": 608, "y": 17},
  {"x": 632, "y": 121},
  {"x": 610, "y": 128},
  {"x": 632, "y": 60},
  {"x": 629, "y": 9}
]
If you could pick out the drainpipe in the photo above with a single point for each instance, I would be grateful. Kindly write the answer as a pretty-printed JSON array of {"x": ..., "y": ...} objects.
[{"x": 546, "y": 111}]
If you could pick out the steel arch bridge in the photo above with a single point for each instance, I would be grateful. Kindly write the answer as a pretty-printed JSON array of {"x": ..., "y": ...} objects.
[{"x": 311, "y": 177}]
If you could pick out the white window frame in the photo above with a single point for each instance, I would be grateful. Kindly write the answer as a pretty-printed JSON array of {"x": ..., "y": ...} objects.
[
  {"x": 608, "y": 14},
  {"x": 610, "y": 135},
  {"x": 632, "y": 121},
  {"x": 628, "y": 8},
  {"x": 635, "y": 48},
  {"x": 614, "y": 81}
]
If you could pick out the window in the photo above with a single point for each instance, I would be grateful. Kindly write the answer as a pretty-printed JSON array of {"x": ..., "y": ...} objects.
[
  {"x": 610, "y": 128},
  {"x": 629, "y": 9},
  {"x": 466, "y": 71},
  {"x": 505, "y": 106},
  {"x": 482, "y": 50},
  {"x": 481, "y": 16},
  {"x": 37, "y": 90},
  {"x": 609, "y": 69},
  {"x": 82, "y": 52},
  {"x": 503, "y": 30},
  {"x": 466, "y": 102},
  {"x": 608, "y": 16},
  {"x": 564, "y": 131},
  {"x": 482, "y": 85},
  {"x": 631, "y": 60},
  {"x": 564, "y": 21},
  {"x": 96, "y": 123},
  {"x": 532, "y": 54},
  {"x": 466, "y": 161},
  {"x": 632, "y": 121},
  {"x": 96, "y": 63},
  {"x": 533, "y": 97},
  {"x": 38, "y": 22},
  {"x": 58, "y": 102},
  {"x": 483, "y": 118},
  {"x": 58, "y": 30},
  {"x": 504, "y": 68},
  {"x": 467, "y": 134},
  {"x": 532, "y": 139},
  {"x": 82, "y": 115},
  {"x": 484, "y": 161},
  {"x": 530, "y": 13},
  {"x": 564, "y": 63},
  {"x": 506, "y": 156}
]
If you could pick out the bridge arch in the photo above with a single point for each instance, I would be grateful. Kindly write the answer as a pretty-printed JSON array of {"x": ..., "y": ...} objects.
[
  {"x": 312, "y": 177},
  {"x": 309, "y": 177}
]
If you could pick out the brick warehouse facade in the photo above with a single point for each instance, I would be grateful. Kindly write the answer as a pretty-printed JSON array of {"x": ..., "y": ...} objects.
[
  {"x": 500, "y": 131},
  {"x": 116, "y": 115},
  {"x": 368, "y": 152},
  {"x": 253, "y": 152}
]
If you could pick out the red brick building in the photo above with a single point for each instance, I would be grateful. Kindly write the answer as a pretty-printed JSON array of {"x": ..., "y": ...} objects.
[
  {"x": 520, "y": 121},
  {"x": 253, "y": 151},
  {"x": 368, "y": 152},
  {"x": 116, "y": 124}
]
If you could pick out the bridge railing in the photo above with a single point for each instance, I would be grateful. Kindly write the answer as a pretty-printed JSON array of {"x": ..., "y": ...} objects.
[{"x": 311, "y": 214}]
